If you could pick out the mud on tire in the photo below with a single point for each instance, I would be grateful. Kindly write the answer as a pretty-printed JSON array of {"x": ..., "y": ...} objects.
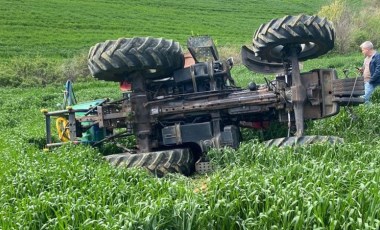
[
  {"x": 113, "y": 60},
  {"x": 159, "y": 163},
  {"x": 314, "y": 34}
]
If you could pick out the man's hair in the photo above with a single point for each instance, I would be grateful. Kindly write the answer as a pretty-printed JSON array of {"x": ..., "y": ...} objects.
[{"x": 366, "y": 45}]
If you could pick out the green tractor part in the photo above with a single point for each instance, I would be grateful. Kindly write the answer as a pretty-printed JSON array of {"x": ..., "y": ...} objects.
[{"x": 67, "y": 127}]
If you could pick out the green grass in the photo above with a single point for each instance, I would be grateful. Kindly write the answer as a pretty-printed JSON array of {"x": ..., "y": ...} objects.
[
  {"x": 254, "y": 187},
  {"x": 311, "y": 187},
  {"x": 58, "y": 28},
  {"x": 46, "y": 42}
]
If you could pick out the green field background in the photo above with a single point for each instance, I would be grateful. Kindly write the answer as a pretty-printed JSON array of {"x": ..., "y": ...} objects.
[
  {"x": 320, "y": 186},
  {"x": 61, "y": 28}
]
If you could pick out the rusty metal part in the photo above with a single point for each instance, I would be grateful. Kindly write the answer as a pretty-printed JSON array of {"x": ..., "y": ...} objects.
[
  {"x": 142, "y": 127},
  {"x": 298, "y": 91},
  {"x": 233, "y": 100},
  {"x": 202, "y": 48}
]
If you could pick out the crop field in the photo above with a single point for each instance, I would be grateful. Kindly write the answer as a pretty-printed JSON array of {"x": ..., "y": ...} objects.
[
  {"x": 320, "y": 186},
  {"x": 60, "y": 28}
]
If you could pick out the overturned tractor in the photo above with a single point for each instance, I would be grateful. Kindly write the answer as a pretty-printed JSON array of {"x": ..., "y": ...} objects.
[{"x": 177, "y": 112}]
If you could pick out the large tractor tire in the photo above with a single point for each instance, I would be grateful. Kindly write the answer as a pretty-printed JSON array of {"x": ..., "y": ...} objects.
[
  {"x": 314, "y": 35},
  {"x": 159, "y": 163},
  {"x": 114, "y": 60},
  {"x": 304, "y": 140}
]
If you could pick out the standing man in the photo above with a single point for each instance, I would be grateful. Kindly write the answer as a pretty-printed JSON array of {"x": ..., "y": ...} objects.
[{"x": 370, "y": 69}]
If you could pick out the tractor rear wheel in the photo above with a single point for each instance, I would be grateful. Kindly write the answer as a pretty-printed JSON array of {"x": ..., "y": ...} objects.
[
  {"x": 155, "y": 58},
  {"x": 159, "y": 163},
  {"x": 303, "y": 140},
  {"x": 312, "y": 34}
]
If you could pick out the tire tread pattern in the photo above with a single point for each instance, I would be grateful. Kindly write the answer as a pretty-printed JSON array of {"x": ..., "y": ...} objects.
[
  {"x": 303, "y": 140},
  {"x": 159, "y": 163},
  {"x": 315, "y": 33},
  {"x": 113, "y": 60}
]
